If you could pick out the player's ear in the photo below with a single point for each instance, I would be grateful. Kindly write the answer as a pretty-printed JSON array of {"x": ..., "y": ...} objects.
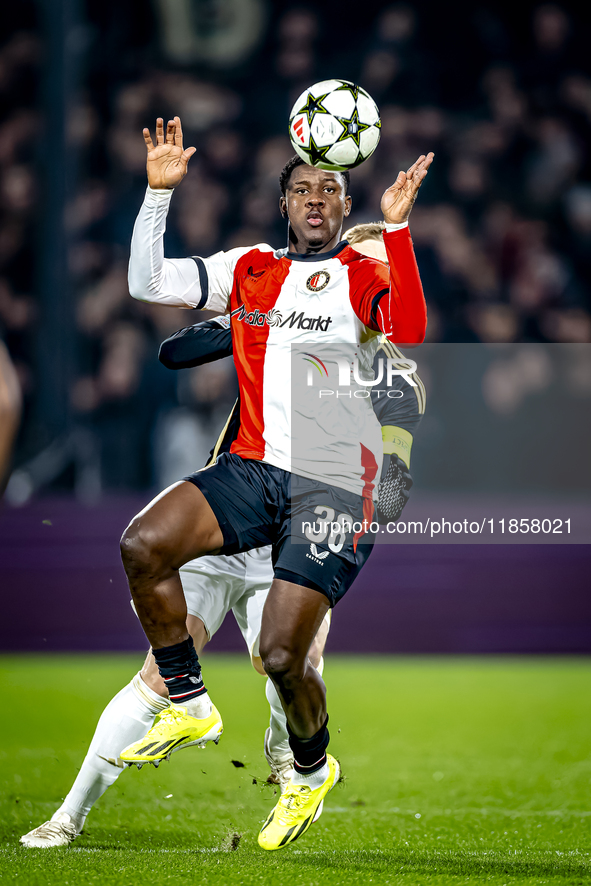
[
  {"x": 283, "y": 207},
  {"x": 348, "y": 204}
]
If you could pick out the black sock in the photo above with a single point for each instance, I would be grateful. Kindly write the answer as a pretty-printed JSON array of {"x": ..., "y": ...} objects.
[
  {"x": 179, "y": 668},
  {"x": 309, "y": 753}
]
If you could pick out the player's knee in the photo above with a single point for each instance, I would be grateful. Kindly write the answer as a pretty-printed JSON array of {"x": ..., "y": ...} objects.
[
  {"x": 282, "y": 665},
  {"x": 142, "y": 549}
]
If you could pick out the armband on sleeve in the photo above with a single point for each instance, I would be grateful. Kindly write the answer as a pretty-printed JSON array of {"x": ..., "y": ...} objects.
[{"x": 397, "y": 441}]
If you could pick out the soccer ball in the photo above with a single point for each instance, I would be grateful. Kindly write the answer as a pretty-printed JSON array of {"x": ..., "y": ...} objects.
[{"x": 334, "y": 125}]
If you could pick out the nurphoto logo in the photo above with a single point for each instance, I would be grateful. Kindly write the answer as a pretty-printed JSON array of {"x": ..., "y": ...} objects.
[{"x": 349, "y": 371}]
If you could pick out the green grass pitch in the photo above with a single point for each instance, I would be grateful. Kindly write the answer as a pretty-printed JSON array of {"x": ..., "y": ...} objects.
[{"x": 457, "y": 771}]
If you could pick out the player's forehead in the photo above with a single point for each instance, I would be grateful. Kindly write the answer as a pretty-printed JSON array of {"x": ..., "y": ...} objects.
[{"x": 310, "y": 175}]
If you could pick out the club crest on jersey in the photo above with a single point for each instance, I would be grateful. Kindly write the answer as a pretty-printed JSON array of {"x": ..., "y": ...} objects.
[
  {"x": 317, "y": 281},
  {"x": 256, "y": 318}
]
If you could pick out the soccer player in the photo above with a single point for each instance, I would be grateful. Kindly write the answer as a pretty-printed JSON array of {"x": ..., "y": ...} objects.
[
  {"x": 262, "y": 492},
  {"x": 213, "y": 585}
]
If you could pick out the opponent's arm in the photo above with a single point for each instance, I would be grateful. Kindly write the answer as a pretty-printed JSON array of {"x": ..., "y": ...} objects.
[
  {"x": 399, "y": 417},
  {"x": 395, "y": 479},
  {"x": 196, "y": 345}
]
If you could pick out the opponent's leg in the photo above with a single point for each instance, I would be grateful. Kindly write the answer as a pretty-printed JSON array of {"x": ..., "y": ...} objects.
[{"x": 127, "y": 718}]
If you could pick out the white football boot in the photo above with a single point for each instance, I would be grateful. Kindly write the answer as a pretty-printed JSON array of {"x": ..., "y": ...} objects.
[
  {"x": 59, "y": 831},
  {"x": 281, "y": 765}
]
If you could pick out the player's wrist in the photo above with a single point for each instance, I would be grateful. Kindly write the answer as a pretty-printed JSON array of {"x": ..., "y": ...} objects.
[
  {"x": 395, "y": 226},
  {"x": 159, "y": 192}
]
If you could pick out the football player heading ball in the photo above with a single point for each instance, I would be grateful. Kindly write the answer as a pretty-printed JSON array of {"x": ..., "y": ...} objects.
[{"x": 244, "y": 500}]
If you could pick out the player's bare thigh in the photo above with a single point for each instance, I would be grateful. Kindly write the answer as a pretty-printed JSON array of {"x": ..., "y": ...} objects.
[
  {"x": 149, "y": 672},
  {"x": 175, "y": 527}
]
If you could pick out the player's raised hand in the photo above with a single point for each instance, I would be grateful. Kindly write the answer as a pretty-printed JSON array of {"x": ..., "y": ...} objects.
[
  {"x": 167, "y": 161},
  {"x": 398, "y": 200}
]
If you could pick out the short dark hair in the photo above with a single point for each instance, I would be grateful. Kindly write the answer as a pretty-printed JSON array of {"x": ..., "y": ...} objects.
[{"x": 296, "y": 161}]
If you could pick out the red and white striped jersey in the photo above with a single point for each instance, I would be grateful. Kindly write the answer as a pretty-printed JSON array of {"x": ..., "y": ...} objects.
[{"x": 283, "y": 304}]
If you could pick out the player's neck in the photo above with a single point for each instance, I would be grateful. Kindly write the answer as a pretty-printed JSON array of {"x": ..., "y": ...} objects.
[{"x": 303, "y": 248}]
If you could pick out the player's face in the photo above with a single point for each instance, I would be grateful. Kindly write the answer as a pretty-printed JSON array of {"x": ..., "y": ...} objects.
[{"x": 316, "y": 205}]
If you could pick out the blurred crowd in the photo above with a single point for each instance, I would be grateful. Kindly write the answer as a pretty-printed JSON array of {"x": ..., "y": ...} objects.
[{"x": 502, "y": 228}]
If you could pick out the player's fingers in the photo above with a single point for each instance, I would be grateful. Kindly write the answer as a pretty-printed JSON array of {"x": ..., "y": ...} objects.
[
  {"x": 412, "y": 168},
  {"x": 418, "y": 179},
  {"x": 425, "y": 162},
  {"x": 178, "y": 133},
  {"x": 421, "y": 172},
  {"x": 170, "y": 131},
  {"x": 159, "y": 131},
  {"x": 395, "y": 189},
  {"x": 148, "y": 139},
  {"x": 186, "y": 155}
]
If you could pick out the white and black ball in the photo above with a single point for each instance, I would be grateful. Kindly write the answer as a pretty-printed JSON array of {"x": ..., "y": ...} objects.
[{"x": 334, "y": 125}]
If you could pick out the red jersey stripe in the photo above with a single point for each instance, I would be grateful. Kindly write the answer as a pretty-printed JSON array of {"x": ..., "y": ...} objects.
[{"x": 258, "y": 279}]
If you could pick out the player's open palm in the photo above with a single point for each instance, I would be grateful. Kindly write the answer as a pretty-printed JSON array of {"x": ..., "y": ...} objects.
[
  {"x": 167, "y": 160},
  {"x": 398, "y": 200}
]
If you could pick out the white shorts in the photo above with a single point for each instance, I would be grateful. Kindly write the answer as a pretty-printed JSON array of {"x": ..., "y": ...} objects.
[{"x": 240, "y": 582}]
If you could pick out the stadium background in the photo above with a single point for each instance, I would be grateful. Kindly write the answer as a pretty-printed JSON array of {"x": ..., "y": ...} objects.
[{"x": 502, "y": 94}]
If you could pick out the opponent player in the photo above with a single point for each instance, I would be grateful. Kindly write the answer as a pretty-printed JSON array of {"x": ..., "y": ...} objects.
[
  {"x": 213, "y": 585},
  {"x": 262, "y": 492}
]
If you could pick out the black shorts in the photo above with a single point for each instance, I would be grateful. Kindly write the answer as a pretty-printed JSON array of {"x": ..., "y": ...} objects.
[{"x": 316, "y": 530}]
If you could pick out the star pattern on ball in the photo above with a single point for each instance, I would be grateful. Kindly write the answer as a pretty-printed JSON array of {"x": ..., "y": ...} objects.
[
  {"x": 315, "y": 153},
  {"x": 353, "y": 127},
  {"x": 348, "y": 87},
  {"x": 312, "y": 105}
]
